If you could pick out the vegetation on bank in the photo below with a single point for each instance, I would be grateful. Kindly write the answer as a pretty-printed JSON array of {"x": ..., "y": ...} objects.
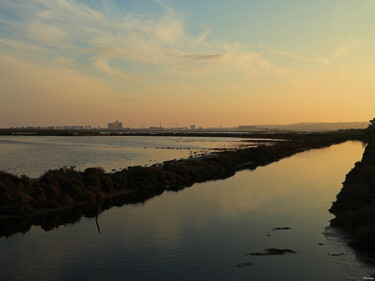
[
  {"x": 67, "y": 186},
  {"x": 354, "y": 208}
]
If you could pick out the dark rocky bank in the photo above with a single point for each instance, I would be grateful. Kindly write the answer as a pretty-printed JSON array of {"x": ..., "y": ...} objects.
[{"x": 354, "y": 208}]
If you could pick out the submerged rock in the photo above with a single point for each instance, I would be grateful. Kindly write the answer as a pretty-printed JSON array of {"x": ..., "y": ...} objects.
[
  {"x": 282, "y": 228},
  {"x": 272, "y": 252},
  {"x": 335, "y": 254},
  {"x": 244, "y": 264}
]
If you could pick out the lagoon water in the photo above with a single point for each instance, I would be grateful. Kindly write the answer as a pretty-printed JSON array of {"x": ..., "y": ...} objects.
[
  {"x": 33, "y": 155},
  {"x": 203, "y": 232}
]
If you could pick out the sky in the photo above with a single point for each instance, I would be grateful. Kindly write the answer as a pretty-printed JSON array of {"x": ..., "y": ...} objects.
[{"x": 239, "y": 62}]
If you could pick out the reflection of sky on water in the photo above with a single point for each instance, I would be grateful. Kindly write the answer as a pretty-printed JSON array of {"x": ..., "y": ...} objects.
[
  {"x": 32, "y": 155},
  {"x": 203, "y": 232}
]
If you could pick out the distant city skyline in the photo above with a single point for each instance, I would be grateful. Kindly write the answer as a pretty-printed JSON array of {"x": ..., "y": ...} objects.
[
  {"x": 186, "y": 62},
  {"x": 302, "y": 126}
]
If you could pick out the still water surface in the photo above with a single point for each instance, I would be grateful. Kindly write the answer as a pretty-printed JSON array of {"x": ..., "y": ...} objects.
[
  {"x": 36, "y": 154},
  {"x": 203, "y": 232}
]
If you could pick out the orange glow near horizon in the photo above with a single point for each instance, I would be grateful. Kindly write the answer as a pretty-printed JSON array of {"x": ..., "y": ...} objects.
[{"x": 182, "y": 68}]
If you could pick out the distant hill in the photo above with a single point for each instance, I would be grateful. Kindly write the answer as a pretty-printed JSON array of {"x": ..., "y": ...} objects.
[{"x": 310, "y": 126}]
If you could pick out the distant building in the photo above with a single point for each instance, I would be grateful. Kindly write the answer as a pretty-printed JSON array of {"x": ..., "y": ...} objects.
[
  {"x": 115, "y": 125},
  {"x": 192, "y": 127}
]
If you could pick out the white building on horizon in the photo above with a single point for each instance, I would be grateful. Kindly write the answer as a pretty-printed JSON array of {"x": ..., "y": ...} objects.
[{"x": 115, "y": 125}]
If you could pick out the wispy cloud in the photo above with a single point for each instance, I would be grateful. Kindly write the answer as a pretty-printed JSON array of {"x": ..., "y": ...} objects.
[
  {"x": 266, "y": 66},
  {"x": 67, "y": 61},
  {"x": 22, "y": 46},
  {"x": 71, "y": 29},
  {"x": 200, "y": 57},
  {"x": 347, "y": 48},
  {"x": 103, "y": 65},
  {"x": 318, "y": 59}
]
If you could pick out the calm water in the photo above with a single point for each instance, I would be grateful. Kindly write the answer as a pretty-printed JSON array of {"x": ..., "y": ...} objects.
[
  {"x": 35, "y": 154},
  {"x": 203, "y": 232}
]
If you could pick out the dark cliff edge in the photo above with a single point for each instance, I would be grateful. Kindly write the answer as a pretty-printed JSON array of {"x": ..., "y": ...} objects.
[
  {"x": 65, "y": 195},
  {"x": 354, "y": 208}
]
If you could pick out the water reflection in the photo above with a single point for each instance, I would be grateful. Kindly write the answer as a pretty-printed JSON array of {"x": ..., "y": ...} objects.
[
  {"x": 35, "y": 154},
  {"x": 50, "y": 221},
  {"x": 202, "y": 232}
]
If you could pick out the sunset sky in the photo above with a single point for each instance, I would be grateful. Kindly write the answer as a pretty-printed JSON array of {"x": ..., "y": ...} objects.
[{"x": 239, "y": 62}]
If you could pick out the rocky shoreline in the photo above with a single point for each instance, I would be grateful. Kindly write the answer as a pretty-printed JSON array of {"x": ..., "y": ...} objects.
[{"x": 354, "y": 208}]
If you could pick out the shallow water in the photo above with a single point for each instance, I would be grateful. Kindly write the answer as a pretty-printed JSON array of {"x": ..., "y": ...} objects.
[
  {"x": 33, "y": 155},
  {"x": 203, "y": 232}
]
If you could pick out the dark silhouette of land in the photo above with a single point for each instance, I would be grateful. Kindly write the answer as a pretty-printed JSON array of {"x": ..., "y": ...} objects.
[
  {"x": 65, "y": 187},
  {"x": 355, "y": 205},
  {"x": 158, "y": 131},
  {"x": 316, "y": 126}
]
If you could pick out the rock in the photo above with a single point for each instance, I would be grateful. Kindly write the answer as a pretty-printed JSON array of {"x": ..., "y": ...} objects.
[
  {"x": 243, "y": 264},
  {"x": 335, "y": 254},
  {"x": 272, "y": 252},
  {"x": 281, "y": 228}
]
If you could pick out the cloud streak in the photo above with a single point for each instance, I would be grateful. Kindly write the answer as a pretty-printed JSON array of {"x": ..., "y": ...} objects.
[
  {"x": 71, "y": 29},
  {"x": 318, "y": 59},
  {"x": 346, "y": 49},
  {"x": 22, "y": 46},
  {"x": 200, "y": 57}
]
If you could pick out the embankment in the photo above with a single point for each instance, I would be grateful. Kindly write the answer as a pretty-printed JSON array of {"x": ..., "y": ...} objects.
[
  {"x": 57, "y": 189},
  {"x": 354, "y": 208}
]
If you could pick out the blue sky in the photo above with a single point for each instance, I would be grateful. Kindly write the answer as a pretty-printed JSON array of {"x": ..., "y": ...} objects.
[{"x": 70, "y": 61}]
